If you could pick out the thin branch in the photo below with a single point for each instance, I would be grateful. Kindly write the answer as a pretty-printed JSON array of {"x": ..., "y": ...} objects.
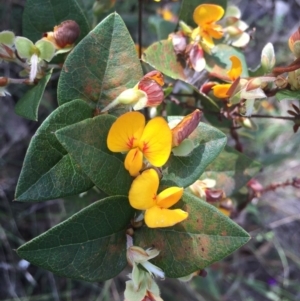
[
  {"x": 234, "y": 114},
  {"x": 140, "y": 27}
]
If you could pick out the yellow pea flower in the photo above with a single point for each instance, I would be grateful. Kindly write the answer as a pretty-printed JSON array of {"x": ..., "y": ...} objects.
[
  {"x": 221, "y": 90},
  {"x": 205, "y": 16},
  {"x": 130, "y": 133},
  {"x": 143, "y": 196}
]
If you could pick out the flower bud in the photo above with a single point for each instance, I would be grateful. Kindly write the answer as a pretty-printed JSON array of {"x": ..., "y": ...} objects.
[
  {"x": 281, "y": 82},
  {"x": 196, "y": 57},
  {"x": 64, "y": 35},
  {"x": 294, "y": 43},
  {"x": 155, "y": 75},
  {"x": 294, "y": 79},
  {"x": 3, "y": 81},
  {"x": 214, "y": 196},
  {"x": 154, "y": 92},
  {"x": 179, "y": 42},
  {"x": 268, "y": 58},
  {"x": 185, "y": 127}
]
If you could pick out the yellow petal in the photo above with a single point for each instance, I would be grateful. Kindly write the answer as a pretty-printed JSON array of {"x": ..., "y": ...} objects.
[
  {"x": 169, "y": 197},
  {"x": 125, "y": 132},
  {"x": 195, "y": 34},
  {"x": 142, "y": 193},
  {"x": 157, "y": 217},
  {"x": 134, "y": 161},
  {"x": 206, "y": 40},
  {"x": 156, "y": 141},
  {"x": 225, "y": 211},
  {"x": 215, "y": 31},
  {"x": 207, "y": 13},
  {"x": 221, "y": 90},
  {"x": 236, "y": 68}
]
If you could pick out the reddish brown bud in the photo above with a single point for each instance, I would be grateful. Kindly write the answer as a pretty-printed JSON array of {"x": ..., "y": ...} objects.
[
  {"x": 214, "y": 196},
  {"x": 64, "y": 34},
  {"x": 153, "y": 90},
  {"x": 3, "y": 81},
  {"x": 185, "y": 127},
  {"x": 256, "y": 187}
]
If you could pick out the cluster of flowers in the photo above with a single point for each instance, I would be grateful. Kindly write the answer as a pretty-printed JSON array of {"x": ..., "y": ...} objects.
[
  {"x": 148, "y": 147},
  {"x": 192, "y": 43},
  {"x": 33, "y": 56}
]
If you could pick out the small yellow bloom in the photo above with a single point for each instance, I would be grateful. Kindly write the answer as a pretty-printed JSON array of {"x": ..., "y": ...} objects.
[
  {"x": 143, "y": 196},
  {"x": 205, "y": 16},
  {"x": 221, "y": 90},
  {"x": 130, "y": 133}
]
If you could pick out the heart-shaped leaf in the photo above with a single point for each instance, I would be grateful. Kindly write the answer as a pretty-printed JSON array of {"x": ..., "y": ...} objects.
[
  {"x": 188, "y": 7},
  {"x": 86, "y": 143},
  {"x": 28, "y": 105},
  {"x": 90, "y": 245},
  {"x": 231, "y": 170},
  {"x": 43, "y": 16},
  {"x": 184, "y": 171},
  {"x": 101, "y": 66},
  {"x": 48, "y": 171},
  {"x": 205, "y": 237}
]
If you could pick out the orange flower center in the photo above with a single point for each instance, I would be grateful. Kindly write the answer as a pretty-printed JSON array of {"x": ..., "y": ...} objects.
[{"x": 130, "y": 142}]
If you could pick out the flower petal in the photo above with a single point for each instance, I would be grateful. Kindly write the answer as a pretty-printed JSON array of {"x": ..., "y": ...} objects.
[
  {"x": 236, "y": 68},
  {"x": 215, "y": 31},
  {"x": 169, "y": 197},
  {"x": 46, "y": 48},
  {"x": 24, "y": 47},
  {"x": 134, "y": 161},
  {"x": 157, "y": 217},
  {"x": 221, "y": 90},
  {"x": 154, "y": 91},
  {"x": 207, "y": 42},
  {"x": 207, "y": 13},
  {"x": 156, "y": 141},
  {"x": 125, "y": 132},
  {"x": 142, "y": 193},
  {"x": 153, "y": 269}
]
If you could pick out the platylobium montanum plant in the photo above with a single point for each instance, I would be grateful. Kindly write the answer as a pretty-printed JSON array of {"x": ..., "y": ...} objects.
[{"x": 162, "y": 208}]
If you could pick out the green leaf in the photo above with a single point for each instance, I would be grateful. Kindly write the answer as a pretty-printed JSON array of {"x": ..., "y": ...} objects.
[
  {"x": 231, "y": 170},
  {"x": 41, "y": 17},
  {"x": 205, "y": 237},
  {"x": 288, "y": 95},
  {"x": 184, "y": 171},
  {"x": 101, "y": 66},
  {"x": 28, "y": 105},
  {"x": 162, "y": 27},
  {"x": 48, "y": 171},
  {"x": 86, "y": 143},
  {"x": 188, "y": 7},
  {"x": 90, "y": 245},
  {"x": 161, "y": 56},
  {"x": 221, "y": 58}
]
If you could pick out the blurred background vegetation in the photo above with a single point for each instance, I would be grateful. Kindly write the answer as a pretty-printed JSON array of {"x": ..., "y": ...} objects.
[{"x": 267, "y": 268}]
